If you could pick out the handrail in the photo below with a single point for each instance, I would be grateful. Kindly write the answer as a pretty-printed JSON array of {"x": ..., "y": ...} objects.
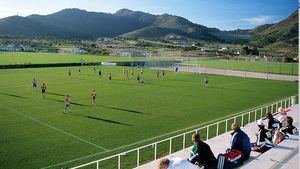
[{"x": 286, "y": 102}]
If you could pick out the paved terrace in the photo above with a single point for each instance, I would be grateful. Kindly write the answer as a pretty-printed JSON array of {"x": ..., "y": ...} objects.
[
  {"x": 197, "y": 69},
  {"x": 285, "y": 155}
]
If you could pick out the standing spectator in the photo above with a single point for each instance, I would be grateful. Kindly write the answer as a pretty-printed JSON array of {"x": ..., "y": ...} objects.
[
  {"x": 264, "y": 138},
  {"x": 202, "y": 154},
  {"x": 240, "y": 141}
]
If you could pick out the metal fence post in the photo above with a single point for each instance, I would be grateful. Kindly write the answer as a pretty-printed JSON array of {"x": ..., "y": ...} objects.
[
  {"x": 242, "y": 123},
  {"x": 255, "y": 112},
  {"x": 183, "y": 142},
  {"x": 249, "y": 117},
  {"x": 207, "y": 131},
  {"x": 170, "y": 146},
  {"x": 217, "y": 128},
  {"x": 97, "y": 165},
  {"x": 155, "y": 148},
  {"x": 286, "y": 105},
  {"x": 119, "y": 161},
  {"x": 226, "y": 125},
  {"x": 261, "y": 112},
  {"x": 138, "y": 157},
  {"x": 234, "y": 120}
]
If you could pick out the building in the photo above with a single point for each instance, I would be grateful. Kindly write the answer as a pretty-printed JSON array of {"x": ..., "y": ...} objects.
[
  {"x": 12, "y": 48},
  {"x": 128, "y": 53},
  {"x": 77, "y": 51}
]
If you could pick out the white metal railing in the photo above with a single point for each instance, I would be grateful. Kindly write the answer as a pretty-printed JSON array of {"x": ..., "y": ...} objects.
[{"x": 242, "y": 119}]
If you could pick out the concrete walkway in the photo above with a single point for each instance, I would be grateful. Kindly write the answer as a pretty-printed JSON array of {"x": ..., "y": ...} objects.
[
  {"x": 197, "y": 69},
  {"x": 220, "y": 143}
]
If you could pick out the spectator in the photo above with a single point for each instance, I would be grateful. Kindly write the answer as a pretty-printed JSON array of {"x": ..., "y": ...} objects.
[
  {"x": 284, "y": 130},
  {"x": 272, "y": 123},
  {"x": 264, "y": 138},
  {"x": 240, "y": 141},
  {"x": 282, "y": 113},
  {"x": 176, "y": 163},
  {"x": 202, "y": 154}
]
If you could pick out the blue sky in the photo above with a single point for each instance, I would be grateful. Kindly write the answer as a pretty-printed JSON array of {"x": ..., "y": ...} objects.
[{"x": 222, "y": 14}]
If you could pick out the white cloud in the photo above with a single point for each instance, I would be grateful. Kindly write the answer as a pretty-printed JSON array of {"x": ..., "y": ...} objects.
[{"x": 260, "y": 20}]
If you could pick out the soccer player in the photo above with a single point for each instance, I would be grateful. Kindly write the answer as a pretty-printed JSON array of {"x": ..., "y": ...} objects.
[
  {"x": 43, "y": 88},
  {"x": 163, "y": 74},
  {"x": 127, "y": 73},
  {"x": 94, "y": 69},
  {"x": 100, "y": 74},
  {"x": 138, "y": 78},
  {"x": 67, "y": 103},
  {"x": 157, "y": 74},
  {"x": 132, "y": 73},
  {"x": 78, "y": 69},
  {"x": 69, "y": 72},
  {"x": 109, "y": 76},
  {"x": 142, "y": 71},
  {"x": 206, "y": 81},
  {"x": 34, "y": 83},
  {"x": 93, "y": 95}
]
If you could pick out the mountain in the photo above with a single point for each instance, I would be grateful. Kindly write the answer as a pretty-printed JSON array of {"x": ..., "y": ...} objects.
[
  {"x": 280, "y": 38},
  {"x": 76, "y": 23}
]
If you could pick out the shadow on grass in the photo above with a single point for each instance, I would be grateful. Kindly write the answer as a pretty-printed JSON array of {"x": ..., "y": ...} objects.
[
  {"x": 13, "y": 95},
  {"x": 121, "y": 109},
  {"x": 73, "y": 103},
  {"x": 97, "y": 118},
  {"x": 57, "y": 94}
]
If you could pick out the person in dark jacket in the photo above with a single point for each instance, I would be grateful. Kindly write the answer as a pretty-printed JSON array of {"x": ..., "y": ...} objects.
[
  {"x": 240, "y": 141},
  {"x": 202, "y": 154},
  {"x": 272, "y": 123},
  {"x": 264, "y": 138},
  {"x": 283, "y": 132}
]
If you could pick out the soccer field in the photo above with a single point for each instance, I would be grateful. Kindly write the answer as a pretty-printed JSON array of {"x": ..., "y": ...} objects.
[
  {"x": 45, "y": 58},
  {"x": 35, "y": 133},
  {"x": 251, "y": 66}
]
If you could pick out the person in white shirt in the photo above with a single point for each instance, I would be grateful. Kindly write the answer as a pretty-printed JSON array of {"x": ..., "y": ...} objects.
[{"x": 176, "y": 163}]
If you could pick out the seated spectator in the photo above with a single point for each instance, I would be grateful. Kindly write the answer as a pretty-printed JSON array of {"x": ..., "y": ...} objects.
[
  {"x": 264, "y": 138},
  {"x": 282, "y": 113},
  {"x": 240, "y": 141},
  {"x": 202, "y": 154},
  {"x": 176, "y": 163},
  {"x": 281, "y": 134},
  {"x": 272, "y": 123}
]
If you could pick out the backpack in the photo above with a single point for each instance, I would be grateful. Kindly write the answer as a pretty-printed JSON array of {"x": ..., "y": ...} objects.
[{"x": 230, "y": 159}]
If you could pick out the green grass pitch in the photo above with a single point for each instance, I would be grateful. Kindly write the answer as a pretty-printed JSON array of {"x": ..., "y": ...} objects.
[
  {"x": 252, "y": 66},
  {"x": 35, "y": 133}
]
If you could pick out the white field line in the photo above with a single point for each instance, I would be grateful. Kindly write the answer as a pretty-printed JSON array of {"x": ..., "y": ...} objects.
[{"x": 52, "y": 127}]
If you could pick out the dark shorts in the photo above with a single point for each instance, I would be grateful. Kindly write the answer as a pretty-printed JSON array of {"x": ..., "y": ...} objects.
[
  {"x": 43, "y": 91},
  {"x": 94, "y": 97}
]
